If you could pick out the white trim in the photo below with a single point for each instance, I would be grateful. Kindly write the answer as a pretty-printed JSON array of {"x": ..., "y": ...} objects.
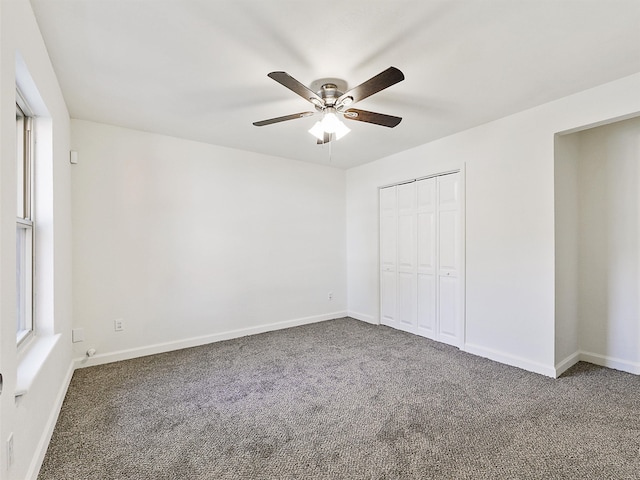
[
  {"x": 567, "y": 363},
  {"x": 600, "y": 123},
  {"x": 463, "y": 254},
  {"x": 610, "y": 362},
  {"x": 32, "y": 359},
  {"x": 597, "y": 359},
  {"x": 509, "y": 359},
  {"x": 128, "y": 354},
  {"x": 23, "y": 104},
  {"x": 45, "y": 438},
  {"x": 363, "y": 317}
]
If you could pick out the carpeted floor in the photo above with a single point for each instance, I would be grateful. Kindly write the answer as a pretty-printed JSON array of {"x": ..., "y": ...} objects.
[{"x": 342, "y": 400}]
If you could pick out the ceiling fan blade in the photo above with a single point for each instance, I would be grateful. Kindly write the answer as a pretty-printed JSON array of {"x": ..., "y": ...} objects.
[
  {"x": 295, "y": 86},
  {"x": 283, "y": 119},
  {"x": 372, "y": 117},
  {"x": 383, "y": 80}
]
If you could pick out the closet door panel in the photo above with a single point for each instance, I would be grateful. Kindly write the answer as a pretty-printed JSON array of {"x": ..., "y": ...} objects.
[
  {"x": 406, "y": 196},
  {"x": 407, "y": 255},
  {"x": 388, "y": 298},
  {"x": 449, "y": 256},
  {"x": 448, "y": 310},
  {"x": 406, "y": 242},
  {"x": 427, "y": 305},
  {"x": 426, "y": 243},
  {"x": 449, "y": 191},
  {"x": 449, "y": 233},
  {"x": 388, "y": 212},
  {"x": 388, "y": 242},
  {"x": 426, "y": 190},
  {"x": 407, "y": 271},
  {"x": 426, "y": 208},
  {"x": 426, "y": 314},
  {"x": 407, "y": 301}
]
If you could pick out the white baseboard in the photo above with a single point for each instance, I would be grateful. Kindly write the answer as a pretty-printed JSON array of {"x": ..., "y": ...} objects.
[
  {"x": 45, "y": 438},
  {"x": 567, "y": 363},
  {"x": 509, "y": 359},
  {"x": 597, "y": 359},
  {"x": 128, "y": 354},
  {"x": 363, "y": 317},
  {"x": 611, "y": 362}
]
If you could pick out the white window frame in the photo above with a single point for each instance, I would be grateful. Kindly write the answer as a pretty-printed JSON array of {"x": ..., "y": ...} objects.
[{"x": 25, "y": 228}]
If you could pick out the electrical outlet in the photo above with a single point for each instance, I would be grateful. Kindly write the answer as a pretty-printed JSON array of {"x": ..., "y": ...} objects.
[
  {"x": 10, "y": 450},
  {"x": 330, "y": 296},
  {"x": 118, "y": 325}
]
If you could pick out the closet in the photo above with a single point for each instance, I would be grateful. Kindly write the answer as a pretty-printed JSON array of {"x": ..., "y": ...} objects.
[{"x": 421, "y": 274}]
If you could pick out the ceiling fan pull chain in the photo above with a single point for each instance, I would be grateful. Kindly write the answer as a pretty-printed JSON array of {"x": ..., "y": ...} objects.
[{"x": 331, "y": 151}]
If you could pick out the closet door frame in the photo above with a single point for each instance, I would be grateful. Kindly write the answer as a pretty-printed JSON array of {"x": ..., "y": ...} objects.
[{"x": 461, "y": 320}]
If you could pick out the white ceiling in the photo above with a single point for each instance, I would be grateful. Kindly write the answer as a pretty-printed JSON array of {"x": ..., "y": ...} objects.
[{"x": 197, "y": 69}]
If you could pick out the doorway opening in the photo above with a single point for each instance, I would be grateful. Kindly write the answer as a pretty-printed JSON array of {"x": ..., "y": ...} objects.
[{"x": 597, "y": 236}]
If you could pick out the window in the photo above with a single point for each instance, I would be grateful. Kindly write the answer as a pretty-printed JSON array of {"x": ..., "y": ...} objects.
[{"x": 24, "y": 222}]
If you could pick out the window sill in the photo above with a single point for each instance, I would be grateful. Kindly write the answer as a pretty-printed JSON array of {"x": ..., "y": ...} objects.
[{"x": 32, "y": 360}]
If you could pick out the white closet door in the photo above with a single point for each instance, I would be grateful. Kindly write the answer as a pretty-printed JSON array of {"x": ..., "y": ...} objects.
[
  {"x": 421, "y": 258},
  {"x": 388, "y": 254},
  {"x": 426, "y": 271},
  {"x": 449, "y": 256},
  {"x": 407, "y": 269}
]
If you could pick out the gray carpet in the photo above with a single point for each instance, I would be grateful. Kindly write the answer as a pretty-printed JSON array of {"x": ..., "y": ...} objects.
[{"x": 342, "y": 400}]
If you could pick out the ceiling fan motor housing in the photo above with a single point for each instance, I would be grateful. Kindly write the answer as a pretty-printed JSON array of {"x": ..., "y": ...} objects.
[{"x": 329, "y": 94}]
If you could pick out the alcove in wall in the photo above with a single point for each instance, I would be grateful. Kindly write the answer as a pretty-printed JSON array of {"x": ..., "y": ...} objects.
[{"x": 597, "y": 241}]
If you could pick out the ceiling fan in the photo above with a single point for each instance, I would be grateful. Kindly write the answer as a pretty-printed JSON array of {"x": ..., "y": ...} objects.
[{"x": 331, "y": 102}]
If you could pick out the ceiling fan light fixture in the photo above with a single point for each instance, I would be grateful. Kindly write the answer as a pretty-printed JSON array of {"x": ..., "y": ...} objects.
[
  {"x": 330, "y": 124},
  {"x": 317, "y": 131},
  {"x": 330, "y": 121},
  {"x": 341, "y": 130}
]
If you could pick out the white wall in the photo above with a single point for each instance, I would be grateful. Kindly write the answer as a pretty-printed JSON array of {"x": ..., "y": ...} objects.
[
  {"x": 510, "y": 242},
  {"x": 47, "y": 361},
  {"x": 566, "y": 257},
  {"x": 609, "y": 247},
  {"x": 190, "y": 243}
]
